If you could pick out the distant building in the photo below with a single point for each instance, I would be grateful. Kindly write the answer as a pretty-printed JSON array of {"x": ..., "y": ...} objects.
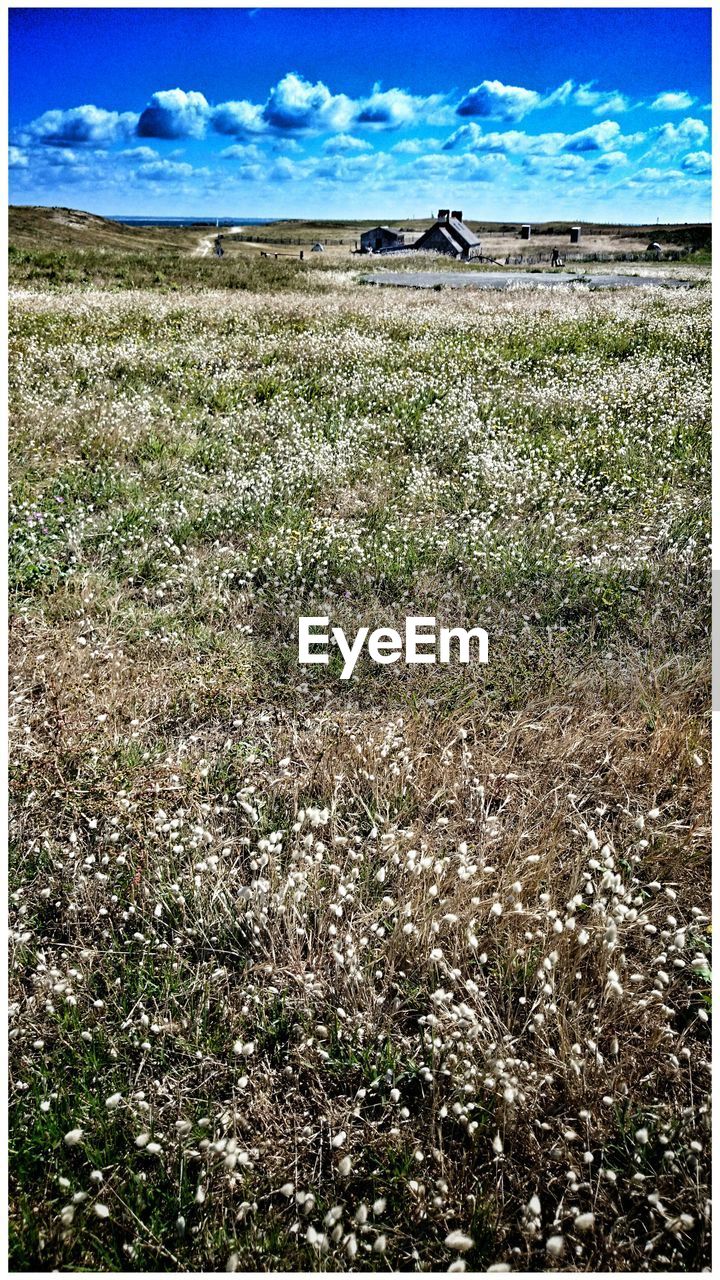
[
  {"x": 449, "y": 235},
  {"x": 379, "y": 239}
]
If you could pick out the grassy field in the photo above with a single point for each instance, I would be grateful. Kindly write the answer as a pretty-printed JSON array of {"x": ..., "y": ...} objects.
[
  {"x": 499, "y": 240},
  {"x": 65, "y": 246},
  {"x": 407, "y": 972}
]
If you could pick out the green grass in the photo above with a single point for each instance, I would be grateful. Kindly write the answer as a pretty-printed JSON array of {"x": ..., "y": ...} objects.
[{"x": 212, "y": 846}]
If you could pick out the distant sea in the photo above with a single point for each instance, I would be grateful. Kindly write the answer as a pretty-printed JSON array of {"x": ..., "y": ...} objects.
[{"x": 138, "y": 220}]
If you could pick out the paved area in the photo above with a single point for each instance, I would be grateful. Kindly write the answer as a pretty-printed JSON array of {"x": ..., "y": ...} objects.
[{"x": 503, "y": 279}]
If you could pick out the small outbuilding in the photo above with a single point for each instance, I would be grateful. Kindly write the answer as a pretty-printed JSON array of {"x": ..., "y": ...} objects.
[
  {"x": 525, "y": 231},
  {"x": 575, "y": 233},
  {"x": 381, "y": 239}
]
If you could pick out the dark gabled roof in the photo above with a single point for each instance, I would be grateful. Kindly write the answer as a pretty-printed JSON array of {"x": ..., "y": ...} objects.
[
  {"x": 438, "y": 228},
  {"x": 445, "y": 231},
  {"x": 454, "y": 231},
  {"x": 463, "y": 233},
  {"x": 374, "y": 230}
]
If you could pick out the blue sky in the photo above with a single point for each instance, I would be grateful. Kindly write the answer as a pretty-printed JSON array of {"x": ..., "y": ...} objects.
[{"x": 517, "y": 114}]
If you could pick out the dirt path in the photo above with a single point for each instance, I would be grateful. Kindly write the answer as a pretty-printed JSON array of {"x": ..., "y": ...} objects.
[{"x": 206, "y": 244}]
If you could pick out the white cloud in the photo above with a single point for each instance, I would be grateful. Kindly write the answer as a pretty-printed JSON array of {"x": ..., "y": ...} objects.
[
  {"x": 367, "y": 169},
  {"x": 654, "y": 178},
  {"x": 610, "y": 160},
  {"x": 63, "y": 158},
  {"x": 493, "y": 99},
  {"x": 240, "y": 151},
  {"x": 140, "y": 153},
  {"x": 166, "y": 171},
  {"x": 689, "y": 133},
  {"x": 559, "y": 96},
  {"x": 345, "y": 144},
  {"x": 82, "y": 126},
  {"x": 238, "y": 118},
  {"x": 409, "y": 147},
  {"x": 17, "y": 158},
  {"x": 604, "y": 136},
  {"x": 672, "y": 102},
  {"x": 173, "y": 113},
  {"x": 598, "y": 137},
  {"x": 471, "y": 137},
  {"x": 457, "y": 169},
  {"x": 285, "y": 171},
  {"x": 601, "y": 103},
  {"x": 295, "y": 103},
  {"x": 698, "y": 162},
  {"x": 557, "y": 165},
  {"x": 393, "y": 108}
]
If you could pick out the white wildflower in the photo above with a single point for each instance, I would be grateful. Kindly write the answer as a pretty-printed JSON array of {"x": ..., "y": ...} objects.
[{"x": 459, "y": 1241}]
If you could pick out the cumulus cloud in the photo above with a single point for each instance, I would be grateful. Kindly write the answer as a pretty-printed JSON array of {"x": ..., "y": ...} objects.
[
  {"x": 663, "y": 180},
  {"x": 610, "y": 160},
  {"x": 559, "y": 96},
  {"x": 64, "y": 158},
  {"x": 690, "y": 133},
  {"x": 238, "y": 118},
  {"x": 471, "y": 137},
  {"x": 556, "y": 165},
  {"x": 248, "y": 153},
  {"x": 265, "y": 142},
  {"x": 173, "y": 113},
  {"x": 166, "y": 171},
  {"x": 345, "y": 144},
  {"x": 598, "y": 137},
  {"x": 601, "y": 103},
  {"x": 604, "y": 136},
  {"x": 285, "y": 170},
  {"x": 365, "y": 168},
  {"x": 82, "y": 126},
  {"x": 295, "y": 103},
  {"x": 139, "y": 153},
  {"x": 698, "y": 162},
  {"x": 680, "y": 101},
  {"x": 409, "y": 147},
  {"x": 493, "y": 99},
  {"x": 298, "y": 105},
  {"x": 457, "y": 169},
  {"x": 17, "y": 158},
  {"x": 393, "y": 108}
]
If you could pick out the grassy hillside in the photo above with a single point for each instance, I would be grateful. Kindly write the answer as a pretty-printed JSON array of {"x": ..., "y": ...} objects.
[{"x": 65, "y": 246}]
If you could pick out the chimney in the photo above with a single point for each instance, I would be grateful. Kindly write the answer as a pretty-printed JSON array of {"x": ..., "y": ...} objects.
[
  {"x": 443, "y": 215},
  {"x": 457, "y": 213}
]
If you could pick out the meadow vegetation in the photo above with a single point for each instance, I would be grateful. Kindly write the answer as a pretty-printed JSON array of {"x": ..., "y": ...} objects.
[{"x": 405, "y": 972}]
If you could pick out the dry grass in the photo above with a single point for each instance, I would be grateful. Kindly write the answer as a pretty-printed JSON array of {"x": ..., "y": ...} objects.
[{"x": 313, "y": 974}]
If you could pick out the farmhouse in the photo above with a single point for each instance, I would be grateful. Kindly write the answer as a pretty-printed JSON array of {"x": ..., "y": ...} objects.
[
  {"x": 379, "y": 239},
  {"x": 449, "y": 235}
]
